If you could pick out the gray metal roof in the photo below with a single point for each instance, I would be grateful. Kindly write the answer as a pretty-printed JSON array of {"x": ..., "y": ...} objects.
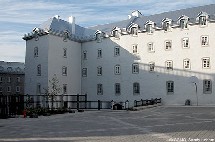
[
  {"x": 59, "y": 25},
  {"x": 157, "y": 18}
]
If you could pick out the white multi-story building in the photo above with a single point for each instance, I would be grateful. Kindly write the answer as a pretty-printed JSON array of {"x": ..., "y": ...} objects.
[{"x": 167, "y": 55}]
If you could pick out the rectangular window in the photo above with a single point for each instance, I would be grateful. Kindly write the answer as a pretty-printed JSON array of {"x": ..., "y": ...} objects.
[
  {"x": 1, "y": 79},
  {"x": 185, "y": 42},
  {"x": 205, "y": 63},
  {"x": 136, "y": 88},
  {"x": 151, "y": 66},
  {"x": 9, "y": 79},
  {"x": 202, "y": 21},
  {"x": 1, "y": 89},
  {"x": 64, "y": 71},
  {"x": 186, "y": 63},
  {"x": 207, "y": 86},
  {"x": 183, "y": 24},
  {"x": 134, "y": 47},
  {"x": 151, "y": 47},
  {"x": 169, "y": 65},
  {"x": 170, "y": 87},
  {"x": 17, "y": 88},
  {"x": 64, "y": 88},
  {"x": 149, "y": 29},
  {"x": 39, "y": 70},
  {"x": 134, "y": 31},
  {"x": 84, "y": 55},
  {"x": 64, "y": 52},
  {"x": 116, "y": 51},
  {"x": 99, "y": 89},
  {"x": 205, "y": 40},
  {"x": 135, "y": 68},
  {"x": 9, "y": 89},
  {"x": 38, "y": 88},
  {"x": 168, "y": 45},
  {"x": 99, "y": 71},
  {"x": 117, "y": 89},
  {"x": 18, "y": 79},
  {"x": 35, "y": 51},
  {"x": 99, "y": 53},
  {"x": 117, "y": 69},
  {"x": 84, "y": 72},
  {"x": 116, "y": 34}
]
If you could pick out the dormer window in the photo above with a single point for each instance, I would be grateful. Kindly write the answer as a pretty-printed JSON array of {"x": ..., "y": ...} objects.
[
  {"x": 134, "y": 31},
  {"x": 183, "y": 22},
  {"x": 202, "y": 20},
  {"x": 167, "y": 24},
  {"x": 116, "y": 34},
  {"x": 65, "y": 36},
  {"x": 149, "y": 27},
  {"x": 98, "y": 37}
]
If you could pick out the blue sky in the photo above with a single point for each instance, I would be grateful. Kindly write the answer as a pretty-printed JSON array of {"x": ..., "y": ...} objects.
[{"x": 18, "y": 17}]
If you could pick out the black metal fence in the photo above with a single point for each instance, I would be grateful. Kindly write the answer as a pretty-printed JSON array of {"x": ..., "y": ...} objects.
[{"x": 147, "y": 102}]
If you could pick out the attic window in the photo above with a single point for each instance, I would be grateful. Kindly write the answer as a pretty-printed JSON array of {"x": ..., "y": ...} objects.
[
  {"x": 134, "y": 31},
  {"x": 149, "y": 28},
  {"x": 98, "y": 37},
  {"x": 167, "y": 26},
  {"x": 183, "y": 24},
  {"x": 65, "y": 36},
  {"x": 116, "y": 34},
  {"x": 202, "y": 20}
]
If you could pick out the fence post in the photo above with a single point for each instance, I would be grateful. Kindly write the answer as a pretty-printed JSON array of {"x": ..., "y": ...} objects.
[
  {"x": 135, "y": 103},
  {"x": 77, "y": 101},
  {"x": 126, "y": 105},
  {"x": 99, "y": 104},
  {"x": 85, "y": 101}
]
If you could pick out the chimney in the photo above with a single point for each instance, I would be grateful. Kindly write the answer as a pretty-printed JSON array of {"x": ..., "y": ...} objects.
[{"x": 72, "y": 21}]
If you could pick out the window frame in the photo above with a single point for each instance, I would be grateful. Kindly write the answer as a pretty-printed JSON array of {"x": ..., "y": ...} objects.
[
  {"x": 18, "y": 89},
  {"x": 117, "y": 70},
  {"x": 135, "y": 48},
  {"x": 99, "y": 53},
  {"x": 1, "y": 79},
  {"x": 204, "y": 43},
  {"x": 136, "y": 88},
  {"x": 169, "y": 65},
  {"x": 206, "y": 63},
  {"x": 84, "y": 55},
  {"x": 8, "y": 88},
  {"x": 169, "y": 43},
  {"x": 207, "y": 86},
  {"x": 202, "y": 21},
  {"x": 170, "y": 87},
  {"x": 9, "y": 79},
  {"x": 39, "y": 71},
  {"x": 135, "y": 68},
  {"x": 117, "y": 88},
  {"x": 99, "y": 89},
  {"x": 99, "y": 71},
  {"x": 84, "y": 72},
  {"x": 185, "y": 43},
  {"x": 134, "y": 31},
  {"x": 116, "y": 51},
  {"x": 18, "y": 79},
  {"x": 185, "y": 66},
  {"x": 151, "y": 48},
  {"x": 151, "y": 66},
  {"x": 65, "y": 52},
  {"x": 65, "y": 91},
  {"x": 1, "y": 89},
  {"x": 36, "y": 51},
  {"x": 64, "y": 71}
]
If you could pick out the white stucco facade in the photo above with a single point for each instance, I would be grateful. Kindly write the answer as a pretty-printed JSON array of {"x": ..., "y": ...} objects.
[{"x": 174, "y": 63}]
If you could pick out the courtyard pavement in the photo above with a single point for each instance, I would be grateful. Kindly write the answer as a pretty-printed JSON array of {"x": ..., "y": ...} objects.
[{"x": 159, "y": 124}]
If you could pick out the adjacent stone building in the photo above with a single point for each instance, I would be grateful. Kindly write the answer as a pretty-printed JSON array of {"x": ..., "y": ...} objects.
[
  {"x": 12, "y": 77},
  {"x": 167, "y": 55}
]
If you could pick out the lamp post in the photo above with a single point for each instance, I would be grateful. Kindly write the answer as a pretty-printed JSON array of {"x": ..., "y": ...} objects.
[{"x": 194, "y": 80}]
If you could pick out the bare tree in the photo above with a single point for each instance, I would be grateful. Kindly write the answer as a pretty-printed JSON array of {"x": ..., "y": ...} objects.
[{"x": 53, "y": 90}]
